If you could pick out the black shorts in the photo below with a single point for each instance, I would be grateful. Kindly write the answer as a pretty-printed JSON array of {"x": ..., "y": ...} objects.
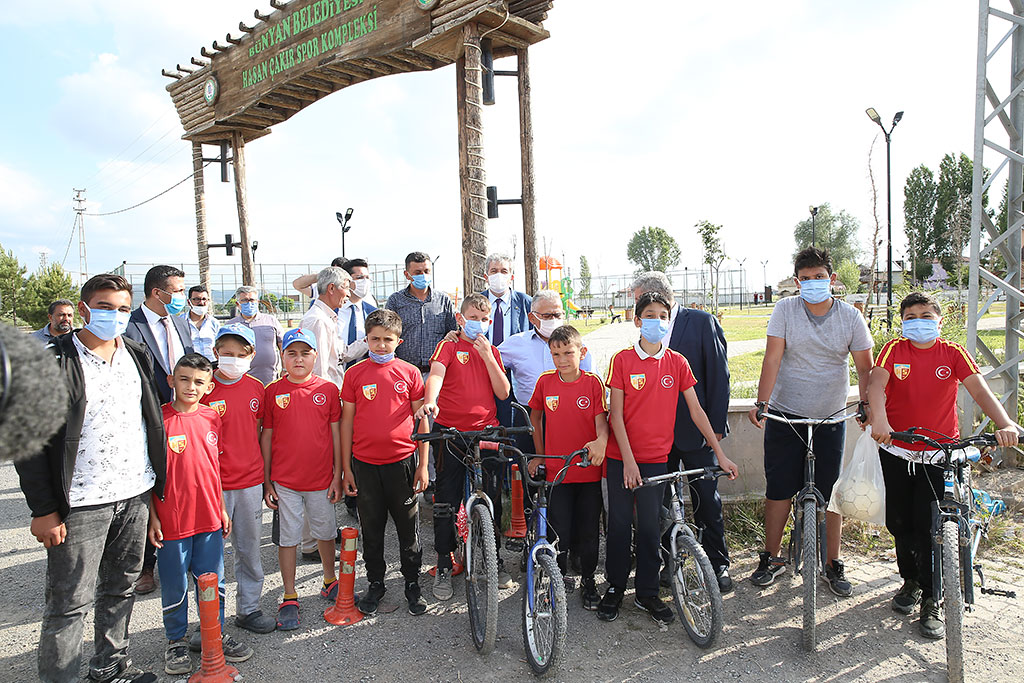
[{"x": 785, "y": 450}]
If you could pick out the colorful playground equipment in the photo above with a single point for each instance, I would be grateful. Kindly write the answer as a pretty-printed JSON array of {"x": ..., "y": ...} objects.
[{"x": 551, "y": 278}]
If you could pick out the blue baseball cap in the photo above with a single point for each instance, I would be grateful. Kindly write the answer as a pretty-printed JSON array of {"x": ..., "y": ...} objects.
[
  {"x": 298, "y": 335},
  {"x": 238, "y": 330}
]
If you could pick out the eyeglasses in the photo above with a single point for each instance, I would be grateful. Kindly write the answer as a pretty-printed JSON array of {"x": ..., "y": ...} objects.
[{"x": 549, "y": 316}]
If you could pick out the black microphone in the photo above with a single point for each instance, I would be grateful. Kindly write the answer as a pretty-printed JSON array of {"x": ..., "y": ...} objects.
[{"x": 33, "y": 396}]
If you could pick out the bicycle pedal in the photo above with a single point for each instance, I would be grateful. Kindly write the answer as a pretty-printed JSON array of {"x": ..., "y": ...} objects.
[
  {"x": 514, "y": 545},
  {"x": 1000, "y": 592}
]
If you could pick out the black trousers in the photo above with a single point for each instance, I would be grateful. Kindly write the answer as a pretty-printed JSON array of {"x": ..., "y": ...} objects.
[
  {"x": 149, "y": 557},
  {"x": 621, "y": 502},
  {"x": 707, "y": 504},
  {"x": 574, "y": 518},
  {"x": 910, "y": 490},
  {"x": 388, "y": 490}
]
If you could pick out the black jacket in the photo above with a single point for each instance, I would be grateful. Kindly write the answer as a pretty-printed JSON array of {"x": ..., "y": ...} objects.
[
  {"x": 698, "y": 336},
  {"x": 46, "y": 477}
]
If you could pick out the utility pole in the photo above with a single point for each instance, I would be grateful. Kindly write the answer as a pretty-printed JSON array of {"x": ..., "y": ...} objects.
[{"x": 83, "y": 267}]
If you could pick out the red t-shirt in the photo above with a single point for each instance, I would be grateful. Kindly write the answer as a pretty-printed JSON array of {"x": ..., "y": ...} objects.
[
  {"x": 651, "y": 387},
  {"x": 192, "y": 497},
  {"x": 921, "y": 391},
  {"x": 466, "y": 401},
  {"x": 569, "y": 412},
  {"x": 382, "y": 394},
  {"x": 301, "y": 447},
  {"x": 240, "y": 406}
]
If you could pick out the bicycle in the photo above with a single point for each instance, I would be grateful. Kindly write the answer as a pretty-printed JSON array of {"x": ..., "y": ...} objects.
[
  {"x": 481, "y": 547},
  {"x": 958, "y": 525},
  {"x": 808, "y": 515},
  {"x": 695, "y": 590}
]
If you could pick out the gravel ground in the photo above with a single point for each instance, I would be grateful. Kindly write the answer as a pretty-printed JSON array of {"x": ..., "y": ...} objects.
[{"x": 860, "y": 638}]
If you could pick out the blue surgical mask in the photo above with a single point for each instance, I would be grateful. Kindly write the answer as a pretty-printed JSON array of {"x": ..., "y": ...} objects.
[
  {"x": 248, "y": 308},
  {"x": 382, "y": 358},
  {"x": 177, "y": 304},
  {"x": 474, "y": 328},
  {"x": 421, "y": 281},
  {"x": 107, "y": 324},
  {"x": 816, "y": 291},
  {"x": 653, "y": 329},
  {"x": 921, "y": 330}
]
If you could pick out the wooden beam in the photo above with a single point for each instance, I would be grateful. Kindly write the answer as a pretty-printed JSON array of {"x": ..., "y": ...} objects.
[
  {"x": 419, "y": 59},
  {"x": 184, "y": 69},
  {"x": 283, "y": 101},
  {"x": 298, "y": 92},
  {"x": 220, "y": 48},
  {"x": 350, "y": 69},
  {"x": 374, "y": 66},
  {"x": 334, "y": 77},
  {"x": 238, "y": 161},
  {"x": 472, "y": 182},
  {"x": 233, "y": 41},
  {"x": 259, "y": 16},
  {"x": 278, "y": 4},
  {"x": 397, "y": 63},
  {"x": 199, "y": 190},
  {"x": 526, "y": 163},
  {"x": 312, "y": 82},
  {"x": 245, "y": 29},
  {"x": 204, "y": 52},
  {"x": 200, "y": 63},
  {"x": 167, "y": 73}
]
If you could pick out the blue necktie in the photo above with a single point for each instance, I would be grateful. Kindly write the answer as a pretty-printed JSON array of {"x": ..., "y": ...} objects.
[
  {"x": 352, "y": 324},
  {"x": 498, "y": 333}
]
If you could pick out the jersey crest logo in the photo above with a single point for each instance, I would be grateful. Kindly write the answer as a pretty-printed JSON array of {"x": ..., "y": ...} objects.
[
  {"x": 211, "y": 438},
  {"x": 902, "y": 370},
  {"x": 370, "y": 391},
  {"x": 401, "y": 386},
  {"x": 638, "y": 381},
  {"x": 583, "y": 402},
  {"x": 177, "y": 443},
  {"x": 551, "y": 402},
  {"x": 463, "y": 356},
  {"x": 220, "y": 406},
  {"x": 668, "y": 381},
  {"x": 283, "y": 400},
  {"x": 254, "y": 405},
  {"x": 320, "y": 399},
  {"x": 943, "y": 372}
]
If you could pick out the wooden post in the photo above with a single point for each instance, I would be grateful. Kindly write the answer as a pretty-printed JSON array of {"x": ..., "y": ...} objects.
[
  {"x": 526, "y": 156},
  {"x": 238, "y": 159},
  {"x": 200, "y": 192},
  {"x": 472, "y": 183}
]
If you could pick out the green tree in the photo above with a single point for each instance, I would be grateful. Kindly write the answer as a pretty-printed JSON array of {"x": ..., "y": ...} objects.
[
  {"x": 584, "y": 277},
  {"x": 836, "y": 232},
  {"x": 848, "y": 273},
  {"x": 713, "y": 254},
  {"x": 43, "y": 288},
  {"x": 12, "y": 286},
  {"x": 652, "y": 248},
  {"x": 285, "y": 304},
  {"x": 920, "y": 193}
]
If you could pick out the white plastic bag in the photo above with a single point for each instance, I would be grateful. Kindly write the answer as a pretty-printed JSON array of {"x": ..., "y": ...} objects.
[{"x": 859, "y": 492}]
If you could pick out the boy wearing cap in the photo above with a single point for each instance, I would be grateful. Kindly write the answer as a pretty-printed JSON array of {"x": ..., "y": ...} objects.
[
  {"x": 238, "y": 399},
  {"x": 301, "y": 445}
]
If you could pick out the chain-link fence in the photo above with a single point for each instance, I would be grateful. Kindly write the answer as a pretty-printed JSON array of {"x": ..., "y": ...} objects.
[{"x": 692, "y": 287}]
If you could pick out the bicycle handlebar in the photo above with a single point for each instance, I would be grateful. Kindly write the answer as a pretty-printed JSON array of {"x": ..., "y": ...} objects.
[
  {"x": 910, "y": 436},
  {"x": 705, "y": 472},
  {"x": 861, "y": 414},
  {"x": 524, "y": 468},
  {"x": 492, "y": 432}
]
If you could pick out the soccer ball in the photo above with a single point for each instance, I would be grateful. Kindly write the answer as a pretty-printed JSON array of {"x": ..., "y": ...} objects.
[{"x": 860, "y": 500}]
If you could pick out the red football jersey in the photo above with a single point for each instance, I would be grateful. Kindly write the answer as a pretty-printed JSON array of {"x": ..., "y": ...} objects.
[
  {"x": 466, "y": 401},
  {"x": 382, "y": 394},
  {"x": 921, "y": 391},
  {"x": 192, "y": 494},
  {"x": 301, "y": 447},
  {"x": 651, "y": 387},
  {"x": 569, "y": 412},
  {"x": 240, "y": 406}
]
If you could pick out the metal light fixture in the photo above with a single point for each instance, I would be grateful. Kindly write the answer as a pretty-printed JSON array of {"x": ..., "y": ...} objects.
[{"x": 873, "y": 115}]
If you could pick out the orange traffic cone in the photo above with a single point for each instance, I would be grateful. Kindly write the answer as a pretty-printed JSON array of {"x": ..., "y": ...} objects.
[
  {"x": 517, "y": 524},
  {"x": 344, "y": 611},
  {"x": 213, "y": 668}
]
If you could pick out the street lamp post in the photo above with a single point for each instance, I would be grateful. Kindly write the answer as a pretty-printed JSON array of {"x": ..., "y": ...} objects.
[
  {"x": 345, "y": 227},
  {"x": 764, "y": 276},
  {"x": 873, "y": 115},
  {"x": 741, "y": 262},
  {"x": 814, "y": 212}
]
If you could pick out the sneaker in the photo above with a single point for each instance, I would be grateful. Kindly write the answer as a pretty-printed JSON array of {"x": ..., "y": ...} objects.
[
  {"x": 608, "y": 608},
  {"x": 122, "y": 672},
  {"x": 569, "y": 583},
  {"x": 659, "y": 611},
  {"x": 504, "y": 578},
  {"x": 329, "y": 591},
  {"x": 370, "y": 600},
  {"x": 931, "y": 620},
  {"x": 195, "y": 641},
  {"x": 906, "y": 598},
  {"x": 256, "y": 622},
  {"x": 311, "y": 556},
  {"x": 146, "y": 582},
  {"x": 767, "y": 569},
  {"x": 589, "y": 594},
  {"x": 177, "y": 660},
  {"x": 835, "y": 574},
  {"x": 288, "y": 615},
  {"x": 443, "y": 583},
  {"x": 234, "y": 651},
  {"x": 417, "y": 605},
  {"x": 725, "y": 582}
]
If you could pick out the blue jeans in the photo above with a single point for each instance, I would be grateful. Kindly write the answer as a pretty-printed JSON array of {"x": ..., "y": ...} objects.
[{"x": 176, "y": 560}]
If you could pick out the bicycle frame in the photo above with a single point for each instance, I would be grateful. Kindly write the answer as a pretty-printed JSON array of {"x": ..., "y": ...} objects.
[
  {"x": 539, "y": 523},
  {"x": 951, "y": 508},
  {"x": 474, "y": 494}
]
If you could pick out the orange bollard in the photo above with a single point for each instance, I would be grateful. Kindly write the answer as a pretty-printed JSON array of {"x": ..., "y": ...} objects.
[
  {"x": 517, "y": 524},
  {"x": 344, "y": 612},
  {"x": 213, "y": 668}
]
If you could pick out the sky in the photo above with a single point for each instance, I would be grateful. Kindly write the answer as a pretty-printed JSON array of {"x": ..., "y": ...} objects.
[{"x": 648, "y": 113}]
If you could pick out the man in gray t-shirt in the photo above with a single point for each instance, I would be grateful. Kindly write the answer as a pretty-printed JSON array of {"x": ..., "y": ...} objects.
[{"x": 805, "y": 374}]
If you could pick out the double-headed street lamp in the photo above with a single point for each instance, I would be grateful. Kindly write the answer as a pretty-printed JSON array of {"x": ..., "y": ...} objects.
[
  {"x": 873, "y": 115},
  {"x": 345, "y": 227}
]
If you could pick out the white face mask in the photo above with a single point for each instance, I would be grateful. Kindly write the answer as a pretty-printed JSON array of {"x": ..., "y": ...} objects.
[
  {"x": 200, "y": 310},
  {"x": 498, "y": 282},
  {"x": 546, "y": 327},
  {"x": 361, "y": 288},
  {"x": 233, "y": 368}
]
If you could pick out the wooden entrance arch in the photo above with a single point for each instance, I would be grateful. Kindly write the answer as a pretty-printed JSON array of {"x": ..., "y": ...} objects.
[{"x": 305, "y": 50}]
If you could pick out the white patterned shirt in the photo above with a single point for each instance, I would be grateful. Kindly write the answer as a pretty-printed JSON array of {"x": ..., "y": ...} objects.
[{"x": 113, "y": 461}]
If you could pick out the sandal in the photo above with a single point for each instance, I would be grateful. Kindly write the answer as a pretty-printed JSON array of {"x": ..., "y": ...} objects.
[{"x": 288, "y": 615}]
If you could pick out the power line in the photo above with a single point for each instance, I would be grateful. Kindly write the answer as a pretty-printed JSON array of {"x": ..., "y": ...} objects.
[
  {"x": 129, "y": 145},
  {"x": 135, "y": 206},
  {"x": 155, "y": 162}
]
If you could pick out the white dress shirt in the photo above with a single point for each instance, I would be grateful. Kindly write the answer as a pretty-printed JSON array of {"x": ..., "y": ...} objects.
[
  {"x": 204, "y": 334},
  {"x": 160, "y": 334},
  {"x": 505, "y": 301},
  {"x": 322, "y": 321},
  {"x": 359, "y": 348}
]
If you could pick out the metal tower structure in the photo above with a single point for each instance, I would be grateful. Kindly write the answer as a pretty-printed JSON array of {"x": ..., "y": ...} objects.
[
  {"x": 83, "y": 267},
  {"x": 998, "y": 130}
]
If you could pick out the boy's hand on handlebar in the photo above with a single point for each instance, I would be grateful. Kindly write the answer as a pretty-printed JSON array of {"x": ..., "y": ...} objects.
[
  {"x": 631, "y": 475},
  {"x": 752, "y": 416},
  {"x": 532, "y": 466},
  {"x": 595, "y": 449},
  {"x": 729, "y": 466},
  {"x": 881, "y": 431},
  {"x": 426, "y": 410},
  {"x": 1007, "y": 436}
]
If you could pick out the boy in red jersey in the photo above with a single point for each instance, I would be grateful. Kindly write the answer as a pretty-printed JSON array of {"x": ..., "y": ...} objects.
[
  {"x": 189, "y": 524},
  {"x": 379, "y": 398},
  {"x": 645, "y": 383},
  {"x": 238, "y": 399},
  {"x": 465, "y": 376},
  {"x": 568, "y": 412},
  {"x": 301, "y": 445},
  {"x": 914, "y": 384}
]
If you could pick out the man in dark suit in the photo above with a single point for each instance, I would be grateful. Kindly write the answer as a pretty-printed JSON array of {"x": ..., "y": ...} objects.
[
  {"x": 165, "y": 334},
  {"x": 700, "y": 339},
  {"x": 509, "y": 315}
]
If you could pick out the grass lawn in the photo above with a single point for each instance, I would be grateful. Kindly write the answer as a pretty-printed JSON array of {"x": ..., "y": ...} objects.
[
  {"x": 585, "y": 325},
  {"x": 745, "y": 367}
]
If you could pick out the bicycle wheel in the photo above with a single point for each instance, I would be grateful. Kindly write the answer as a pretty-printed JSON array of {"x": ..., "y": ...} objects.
[
  {"x": 809, "y": 571},
  {"x": 695, "y": 589},
  {"x": 544, "y": 628},
  {"x": 482, "y": 580},
  {"x": 952, "y": 601}
]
